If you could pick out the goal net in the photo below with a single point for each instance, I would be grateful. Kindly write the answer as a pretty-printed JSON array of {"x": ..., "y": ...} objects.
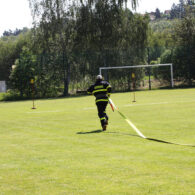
[{"x": 127, "y": 78}]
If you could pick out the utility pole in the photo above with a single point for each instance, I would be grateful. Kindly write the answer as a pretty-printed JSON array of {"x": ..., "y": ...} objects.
[
  {"x": 134, "y": 86},
  {"x": 149, "y": 69},
  {"x": 33, "y": 92}
]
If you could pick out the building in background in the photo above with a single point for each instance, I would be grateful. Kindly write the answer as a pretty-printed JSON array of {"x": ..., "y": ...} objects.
[
  {"x": 152, "y": 16},
  {"x": 3, "y": 87}
]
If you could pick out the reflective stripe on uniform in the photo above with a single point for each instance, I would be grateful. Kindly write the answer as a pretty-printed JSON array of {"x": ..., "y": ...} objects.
[
  {"x": 99, "y": 87},
  {"x": 102, "y": 100},
  {"x": 108, "y": 87},
  {"x": 99, "y": 90},
  {"x": 103, "y": 118}
]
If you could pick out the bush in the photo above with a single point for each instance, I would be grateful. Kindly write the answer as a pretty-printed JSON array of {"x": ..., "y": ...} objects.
[{"x": 12, "y": 96}]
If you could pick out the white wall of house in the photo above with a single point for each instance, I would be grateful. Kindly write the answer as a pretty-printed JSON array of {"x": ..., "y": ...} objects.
[{"x": 3, "y": 87}]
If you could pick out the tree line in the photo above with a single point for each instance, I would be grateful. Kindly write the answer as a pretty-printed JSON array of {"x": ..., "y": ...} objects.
[
  {"x": 69, "y": 42},
  {"x": 180, "y": 10},
  {"x": 177, "y": 10}
]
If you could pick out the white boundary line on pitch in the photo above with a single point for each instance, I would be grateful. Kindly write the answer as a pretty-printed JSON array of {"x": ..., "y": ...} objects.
[
  {"x": 148, "y": 104},
  {"x": 43, "y": 112},
  {"x": 89, "y": 108},
  {"x": 128, "y": 105}
]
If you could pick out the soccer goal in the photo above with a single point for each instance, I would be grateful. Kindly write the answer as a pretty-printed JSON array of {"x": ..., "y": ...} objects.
[{"x": 146, "y": 76}]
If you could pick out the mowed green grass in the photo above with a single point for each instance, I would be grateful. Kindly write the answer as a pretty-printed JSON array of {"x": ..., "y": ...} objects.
[{"x": 55, "y": 149}]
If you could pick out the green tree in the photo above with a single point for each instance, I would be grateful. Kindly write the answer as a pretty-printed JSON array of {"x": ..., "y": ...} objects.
[
  {"x": 157, "y": 14},
  {"x": 54, "y": 32},
  {"x": 184, "y": 55},
  {"x": 91, "y": 27},
  {"x": 24, "y": 70},
  {"x": 112, "y": 37},
  {"x": 10, "y": 48}
]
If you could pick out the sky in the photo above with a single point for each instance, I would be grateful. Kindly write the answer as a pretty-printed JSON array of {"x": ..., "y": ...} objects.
[
  {"x": 151, "y": 5},
  {"x": 16, "y": 13}
]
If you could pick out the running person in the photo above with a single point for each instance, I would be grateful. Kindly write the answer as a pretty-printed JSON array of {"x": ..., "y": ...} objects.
[{"x": 101, "y": 90}]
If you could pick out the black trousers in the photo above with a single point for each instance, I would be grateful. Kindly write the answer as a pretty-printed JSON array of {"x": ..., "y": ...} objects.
[{"x": 101, "y": 106}]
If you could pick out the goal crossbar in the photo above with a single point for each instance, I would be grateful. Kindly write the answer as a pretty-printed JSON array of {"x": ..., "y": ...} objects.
[{"x": 141, "y": 66}]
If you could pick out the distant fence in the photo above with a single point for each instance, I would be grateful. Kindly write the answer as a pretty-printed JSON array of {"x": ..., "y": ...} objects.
[{"x": 3, "y": 87}]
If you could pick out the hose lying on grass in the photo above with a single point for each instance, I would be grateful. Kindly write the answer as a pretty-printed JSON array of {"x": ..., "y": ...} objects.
[{"x": 140, "y": 134}]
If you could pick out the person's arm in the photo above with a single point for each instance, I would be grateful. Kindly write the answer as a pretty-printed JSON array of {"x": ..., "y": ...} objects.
[
  {"x": 90, "y": 90},
  {"x": 109, "y": 89}
]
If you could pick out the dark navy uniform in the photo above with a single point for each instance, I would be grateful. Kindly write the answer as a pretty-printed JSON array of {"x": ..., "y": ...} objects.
[{"x": 101, "y": 90}]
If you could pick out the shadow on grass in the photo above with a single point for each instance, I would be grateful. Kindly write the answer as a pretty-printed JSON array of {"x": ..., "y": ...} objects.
[
  {"x": 120, "y": 133},
  {"x": 133, "y": 135},
  {"x": 107, "y": 132},
  {"x": 89, "y": 132}
]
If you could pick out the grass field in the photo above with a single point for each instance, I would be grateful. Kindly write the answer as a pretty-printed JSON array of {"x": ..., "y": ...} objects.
[
  {"x": 1, "y": 96},
  {"x": 57, "y": 148}
]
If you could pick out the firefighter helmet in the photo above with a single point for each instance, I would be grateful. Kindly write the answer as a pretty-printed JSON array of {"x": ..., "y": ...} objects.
[{"x": 99, "y": 77}]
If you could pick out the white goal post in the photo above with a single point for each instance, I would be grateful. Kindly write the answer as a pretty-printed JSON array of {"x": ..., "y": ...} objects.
[{"x": 141, "y": 66}]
